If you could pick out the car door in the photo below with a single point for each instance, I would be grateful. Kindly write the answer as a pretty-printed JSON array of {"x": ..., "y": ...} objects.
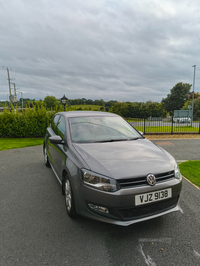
[
  {"x": 59, "y": 150},
  {"x": 52, "y": 132}
]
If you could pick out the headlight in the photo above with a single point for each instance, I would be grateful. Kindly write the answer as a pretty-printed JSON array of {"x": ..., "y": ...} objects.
[
  {"x": 99, "y": 182},
  {"x": 177, "y": 171}
]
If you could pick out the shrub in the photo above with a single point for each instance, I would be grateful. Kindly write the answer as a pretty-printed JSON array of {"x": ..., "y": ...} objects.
[{"x": 29, "y": 123}]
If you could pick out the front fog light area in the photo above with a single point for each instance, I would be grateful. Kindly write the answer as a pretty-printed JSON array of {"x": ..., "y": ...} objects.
[
  {"x": 99, "y": 182},
  {"x": 98, "y": 208}
]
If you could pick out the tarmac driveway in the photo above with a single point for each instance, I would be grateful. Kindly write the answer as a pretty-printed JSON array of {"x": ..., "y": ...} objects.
[
  {"x": 35, "y": 229},
  {"x": 181, "y": 149}
]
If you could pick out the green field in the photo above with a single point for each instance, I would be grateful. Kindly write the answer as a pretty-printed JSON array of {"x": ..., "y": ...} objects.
[{"x": 87, "y": 107}]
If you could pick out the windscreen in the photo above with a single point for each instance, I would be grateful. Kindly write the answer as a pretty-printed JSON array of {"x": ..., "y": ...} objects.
[{"x": 101, "y": 129}]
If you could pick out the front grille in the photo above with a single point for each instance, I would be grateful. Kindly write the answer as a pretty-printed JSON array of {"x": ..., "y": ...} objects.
[
  {"x": 141, "y": 181},
  {"x": 147, "y": 210}
]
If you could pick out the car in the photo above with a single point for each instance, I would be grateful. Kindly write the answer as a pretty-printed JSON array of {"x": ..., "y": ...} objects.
[
  {"x": 181, "y": 120},
  {"x": 109, "y": 171}
]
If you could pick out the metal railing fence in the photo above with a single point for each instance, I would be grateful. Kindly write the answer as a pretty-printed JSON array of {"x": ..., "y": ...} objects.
[{"x": 170, "y": 125}]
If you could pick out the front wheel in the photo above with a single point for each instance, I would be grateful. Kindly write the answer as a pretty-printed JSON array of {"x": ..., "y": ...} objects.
[{"x": 69, "y": 199}]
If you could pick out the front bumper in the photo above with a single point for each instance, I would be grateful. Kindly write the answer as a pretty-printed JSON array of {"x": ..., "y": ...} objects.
[{"x": 121, "y": 204}]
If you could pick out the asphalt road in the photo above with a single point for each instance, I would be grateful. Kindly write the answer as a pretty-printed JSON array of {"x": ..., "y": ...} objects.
[
  {"x": 181, "y": 149},
  {"x": 35, "y": 229}
]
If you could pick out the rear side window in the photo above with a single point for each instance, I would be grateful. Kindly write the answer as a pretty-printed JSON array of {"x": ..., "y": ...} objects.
[{"x": 61, "y": 126}]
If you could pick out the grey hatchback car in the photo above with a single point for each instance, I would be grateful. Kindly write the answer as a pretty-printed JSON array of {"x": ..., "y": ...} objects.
[{"x": 108, "y": 170}]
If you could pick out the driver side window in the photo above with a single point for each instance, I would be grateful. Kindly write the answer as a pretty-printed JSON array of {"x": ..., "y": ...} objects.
[
  {"x": 61, "y": 126},
  {"x": 54, "y": 123}
]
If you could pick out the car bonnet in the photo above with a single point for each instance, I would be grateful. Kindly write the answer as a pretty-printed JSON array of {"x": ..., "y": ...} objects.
[{"x": 126, "y": 158}]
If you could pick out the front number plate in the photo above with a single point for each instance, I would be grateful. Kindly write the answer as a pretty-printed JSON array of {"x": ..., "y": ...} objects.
[{"x": 153, "y": 196}]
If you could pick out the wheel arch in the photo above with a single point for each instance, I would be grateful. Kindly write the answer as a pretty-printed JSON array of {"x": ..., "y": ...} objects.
[{"x": 65, "y": 175}]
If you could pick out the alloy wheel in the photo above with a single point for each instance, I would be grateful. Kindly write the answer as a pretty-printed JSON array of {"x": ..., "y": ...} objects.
[{"x": 68, "y": 195}]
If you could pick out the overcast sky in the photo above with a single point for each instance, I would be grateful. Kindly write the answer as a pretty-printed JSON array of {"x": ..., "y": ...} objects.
[{"x": 99, "y": 49}]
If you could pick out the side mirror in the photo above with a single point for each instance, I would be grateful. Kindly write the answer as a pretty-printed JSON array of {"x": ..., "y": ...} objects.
[{"x": 56, "y": 140}]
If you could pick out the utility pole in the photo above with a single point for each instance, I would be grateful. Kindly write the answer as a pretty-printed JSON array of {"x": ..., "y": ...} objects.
[
  {"x": 22, "y": 99},
  {"x": 193, "y": 93},
  {"x": 9, "y": 85},
  {"x": 14, "y": 98}
]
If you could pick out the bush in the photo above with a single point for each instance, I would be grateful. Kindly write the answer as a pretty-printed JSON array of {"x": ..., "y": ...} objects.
[{"x": 29, "y": 123}]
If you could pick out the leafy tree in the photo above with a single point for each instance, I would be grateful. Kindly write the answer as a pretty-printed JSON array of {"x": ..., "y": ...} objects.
[
  {"x": 137, "y": 110},
  {"x": 196, "y": 107},
  {"x": 4, "y": 103},
  {"x": 121, "y": 108},
  {"x": 50, "y": 102},
  {"x": 110, "y": 103},
  {"x": 89, "y": 101},
  {"x": 196, "y": 95},
  {"x": 177, "y": 97}
]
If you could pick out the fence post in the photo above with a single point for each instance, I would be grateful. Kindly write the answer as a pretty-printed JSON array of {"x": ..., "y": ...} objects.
[
  {"x": 172, "y": 126},
  {"x": 144, "y": 125},
  {"x": 199, "y": 126}
]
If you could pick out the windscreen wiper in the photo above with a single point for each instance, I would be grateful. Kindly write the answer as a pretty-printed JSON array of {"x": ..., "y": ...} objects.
[{"x": 110, "y": 140}]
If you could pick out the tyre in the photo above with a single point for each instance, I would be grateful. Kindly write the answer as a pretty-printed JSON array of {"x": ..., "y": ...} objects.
[
  {"x": 46, "y": 159},
  {"x": 69, "y": 198}
]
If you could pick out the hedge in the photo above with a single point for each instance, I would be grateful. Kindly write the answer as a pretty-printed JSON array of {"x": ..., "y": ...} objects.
[{"x": 29, "y": 123}]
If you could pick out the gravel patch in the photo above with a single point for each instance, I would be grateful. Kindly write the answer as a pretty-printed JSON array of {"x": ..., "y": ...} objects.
[{"x": 175, "y": 136}]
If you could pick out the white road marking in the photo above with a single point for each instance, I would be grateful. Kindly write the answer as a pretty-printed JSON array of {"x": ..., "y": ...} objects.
[
  {"x": 197, "y": 255},
  {"x": 181, "y": 210},
  {"x": 148, "y": 260}
]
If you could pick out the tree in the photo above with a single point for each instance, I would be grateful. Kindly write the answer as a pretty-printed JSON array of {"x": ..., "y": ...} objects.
[
  {"x": 196, "y": 111},
  {"x": 196, "y": 95},
  {"x": 110, "y": 103},
  {"x": 139, "y": 110},
  {"x": 177, "y": 97},
  {"x": 197, "y": 108},
  {"x": 50, "y": 101},
  {"x": 121, "y": 108}
]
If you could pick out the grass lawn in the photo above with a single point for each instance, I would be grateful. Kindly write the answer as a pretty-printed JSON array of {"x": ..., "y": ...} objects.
[
  {"x": 10, "y": 143},
  {"x": 168, "y": 129},
  {"x": 191, "y": 170}
]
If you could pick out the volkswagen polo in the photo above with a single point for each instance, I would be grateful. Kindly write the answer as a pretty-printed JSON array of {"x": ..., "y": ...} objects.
[{"x": 109, "y": 171}]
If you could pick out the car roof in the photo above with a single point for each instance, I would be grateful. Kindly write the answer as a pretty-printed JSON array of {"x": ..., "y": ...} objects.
[{"x": 86, "y": 113}]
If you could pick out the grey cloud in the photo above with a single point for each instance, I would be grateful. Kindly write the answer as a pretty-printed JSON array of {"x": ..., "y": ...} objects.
[{"x": 119, "y": 50}]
